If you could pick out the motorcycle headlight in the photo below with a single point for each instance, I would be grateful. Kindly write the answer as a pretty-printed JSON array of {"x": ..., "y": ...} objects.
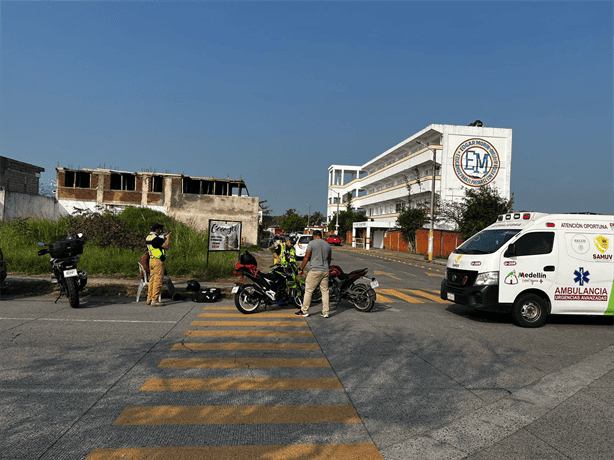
[{"x": 487, "y": 278}]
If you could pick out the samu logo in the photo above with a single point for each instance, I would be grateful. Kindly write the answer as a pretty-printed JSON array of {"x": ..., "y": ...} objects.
[{"x": 476, "y": 162}]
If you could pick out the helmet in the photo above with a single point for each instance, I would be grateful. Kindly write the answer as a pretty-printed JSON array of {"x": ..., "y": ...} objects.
[
  {"x": 293, "y": 239},
  {"x": 193, "y": 286},
  {"x": 156, "y": 226}
]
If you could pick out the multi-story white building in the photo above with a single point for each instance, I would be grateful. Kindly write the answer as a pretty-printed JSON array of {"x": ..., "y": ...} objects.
[{"x": 461, "y": 156}]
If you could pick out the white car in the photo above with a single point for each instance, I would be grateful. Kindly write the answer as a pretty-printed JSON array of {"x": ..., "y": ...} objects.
[{"x": 301, "y": 245}]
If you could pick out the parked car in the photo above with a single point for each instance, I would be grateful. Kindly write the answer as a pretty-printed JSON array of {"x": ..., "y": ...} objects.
[
  {"x": 2, "y": 268},
  {"x": 333, "y": 239},
  {"x": 301, "y": 245}
]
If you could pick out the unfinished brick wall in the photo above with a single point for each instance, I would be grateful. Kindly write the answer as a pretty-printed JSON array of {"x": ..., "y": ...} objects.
[
  {"x": 122, "y": 197},
  {"x": 79, "y": 194}
]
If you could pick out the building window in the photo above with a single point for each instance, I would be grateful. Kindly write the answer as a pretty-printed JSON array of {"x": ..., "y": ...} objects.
[
  {"x": 155, "y": 184},
  {"x": 78, "y": 179},
  {"x": 123, "y": 181},
  {"x": 203, "y": 187},
  {"x": 191, "y": 186}
]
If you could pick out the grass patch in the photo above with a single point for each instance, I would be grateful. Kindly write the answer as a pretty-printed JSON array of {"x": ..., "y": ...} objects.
[{"x": 106, "y": 255}]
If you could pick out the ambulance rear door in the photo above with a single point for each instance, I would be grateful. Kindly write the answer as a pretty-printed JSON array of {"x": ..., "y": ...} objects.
[{"x": 584, "y": 282}]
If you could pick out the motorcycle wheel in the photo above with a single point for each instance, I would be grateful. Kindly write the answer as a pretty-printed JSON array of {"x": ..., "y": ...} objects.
[
  {"x": 73, "y": 292},
  {"x": 316, "y": 296},
  {"x": 362, "y": 297},
  {"x": 297, "y": 296},
  {"x": 246, "y": 300}
]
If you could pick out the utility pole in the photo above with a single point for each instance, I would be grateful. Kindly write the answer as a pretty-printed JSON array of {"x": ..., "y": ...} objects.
[
  {"x": 308, "y": 217},
  {"x": 432, "y": 202}
]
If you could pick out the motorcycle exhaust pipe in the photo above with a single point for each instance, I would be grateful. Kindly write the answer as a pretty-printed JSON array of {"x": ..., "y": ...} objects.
[{"x": 82, "y": 279}]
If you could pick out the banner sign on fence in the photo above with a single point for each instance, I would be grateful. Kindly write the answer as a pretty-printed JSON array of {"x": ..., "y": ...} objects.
[{"x": 224, "y": 235}]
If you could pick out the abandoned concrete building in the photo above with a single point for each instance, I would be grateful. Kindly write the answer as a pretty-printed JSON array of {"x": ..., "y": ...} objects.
[{"x": 190, "y": 200}]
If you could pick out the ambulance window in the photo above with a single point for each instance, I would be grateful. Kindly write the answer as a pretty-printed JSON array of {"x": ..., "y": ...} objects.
[{"x": 535, "y": 243}]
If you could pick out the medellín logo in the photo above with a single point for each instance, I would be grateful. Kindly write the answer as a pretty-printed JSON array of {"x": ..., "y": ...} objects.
[{"x": 476, "y": 162}]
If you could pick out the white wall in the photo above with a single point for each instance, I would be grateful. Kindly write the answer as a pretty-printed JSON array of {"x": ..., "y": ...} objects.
[{"x": 15, "y": 205}]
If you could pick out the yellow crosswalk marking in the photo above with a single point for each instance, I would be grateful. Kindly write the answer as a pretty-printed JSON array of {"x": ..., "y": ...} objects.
[
  {"x": 230, "y": 363},
  {"x": 297, "y": 323},
  {"x": 426, "y": 295},
  {"x": 219, "y": 318},
  {"x": 250, "y": 384},
  {"x": 209, "y": 333},
  {"x": 400, "y": 295},
  {"x": 377, "y": 272},
  {"x": 362, "y": 451},
  {"x": 382, "y": 298},
  {"x": 260, "y": 346},
  {"x": 289, "y": 314},
  {"x": 237, "y": 415}
]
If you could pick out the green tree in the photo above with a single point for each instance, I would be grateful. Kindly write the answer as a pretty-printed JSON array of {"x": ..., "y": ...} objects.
[
  {"x": 317, "y": 218},
  {"x": 292, "y": 222},
  {"x": 410, "y": 218},
  {"x": 478, "y": 209},
  {"x": 346, "y": 220},
  {"x": 348, "y": 206}
]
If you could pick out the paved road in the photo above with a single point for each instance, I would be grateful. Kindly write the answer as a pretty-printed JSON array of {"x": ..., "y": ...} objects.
[{"x": 416, "y": 379}]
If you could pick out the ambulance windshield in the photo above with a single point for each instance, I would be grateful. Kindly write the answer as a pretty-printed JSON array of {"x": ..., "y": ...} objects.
[{"x": 486, "y": 242}]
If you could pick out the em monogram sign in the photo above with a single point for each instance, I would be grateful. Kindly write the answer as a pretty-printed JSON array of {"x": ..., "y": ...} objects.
[{"x": 476, "y": 162}]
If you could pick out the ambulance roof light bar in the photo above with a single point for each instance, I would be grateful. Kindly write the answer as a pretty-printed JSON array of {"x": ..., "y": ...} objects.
[{"x": 525, "y": 216}]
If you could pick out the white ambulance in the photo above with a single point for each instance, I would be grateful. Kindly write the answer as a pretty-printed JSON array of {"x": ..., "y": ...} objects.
[{"x": 534, "y": 264}]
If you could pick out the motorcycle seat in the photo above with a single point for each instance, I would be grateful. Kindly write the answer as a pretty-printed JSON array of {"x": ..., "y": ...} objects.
[{"x": 344, "y": 276}]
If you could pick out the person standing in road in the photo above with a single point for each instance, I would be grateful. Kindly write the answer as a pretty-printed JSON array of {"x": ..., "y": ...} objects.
[
  {"x": 319, "y": 253},
  {"x": 286, "y": 253},
  {"x": 157, "y": 244}
]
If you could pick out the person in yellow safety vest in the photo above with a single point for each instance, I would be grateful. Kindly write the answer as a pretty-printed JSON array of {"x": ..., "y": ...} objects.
[
  {"x": 285, "y": 252},
  {"x": 157, "y": 244}
]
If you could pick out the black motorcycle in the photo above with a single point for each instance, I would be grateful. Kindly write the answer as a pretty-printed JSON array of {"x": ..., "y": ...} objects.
[
  {"x": 281, "y": 284},
  {"x": 343, "y": 286},
  {"x": 64, "y": 260}
]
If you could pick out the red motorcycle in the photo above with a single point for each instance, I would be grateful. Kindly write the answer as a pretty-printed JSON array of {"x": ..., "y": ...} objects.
[{"x": 343, "y": 285}]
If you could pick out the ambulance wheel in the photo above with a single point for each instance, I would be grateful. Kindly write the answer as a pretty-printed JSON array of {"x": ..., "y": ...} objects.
[{"x": 530, "y": 310}]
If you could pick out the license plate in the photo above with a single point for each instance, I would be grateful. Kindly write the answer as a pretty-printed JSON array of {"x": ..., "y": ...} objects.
[
  {"x": 70, "y": 273},
  {"x": 235, "y": 289},
  {"x": 450, "y": 296},
  {"x": 374, "y": 284}
]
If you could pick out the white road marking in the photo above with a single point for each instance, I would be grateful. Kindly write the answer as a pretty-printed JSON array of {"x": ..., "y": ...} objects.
[{"x": 90, "y": 320}]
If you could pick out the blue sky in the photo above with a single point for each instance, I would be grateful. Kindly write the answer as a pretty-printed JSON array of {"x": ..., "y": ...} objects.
[{"x": 274, "y": 93}]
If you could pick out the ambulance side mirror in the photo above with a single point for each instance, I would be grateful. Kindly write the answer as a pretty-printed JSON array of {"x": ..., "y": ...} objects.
[{"x": 510, "y": 251}]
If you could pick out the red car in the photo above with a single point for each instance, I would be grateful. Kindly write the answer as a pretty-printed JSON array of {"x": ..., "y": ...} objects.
[{"x": 333, "y": 239}]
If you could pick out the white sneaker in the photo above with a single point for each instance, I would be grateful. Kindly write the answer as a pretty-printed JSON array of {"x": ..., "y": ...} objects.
[{"x": 324, "y": 316}]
